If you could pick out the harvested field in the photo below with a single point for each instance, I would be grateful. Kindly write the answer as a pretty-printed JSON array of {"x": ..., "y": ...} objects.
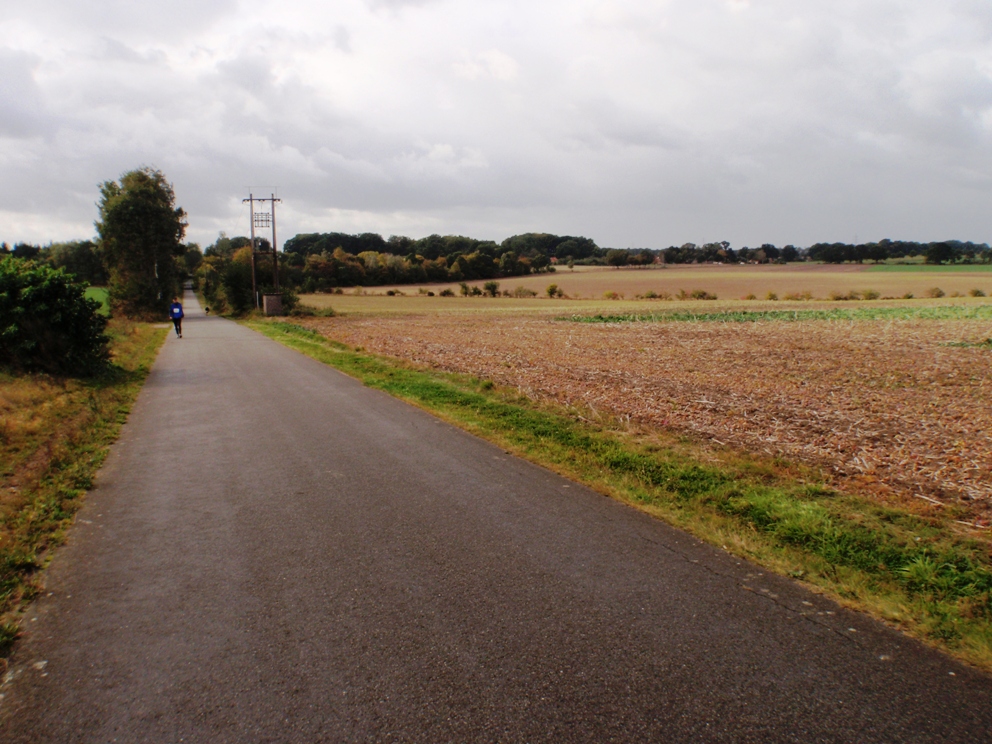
[{"x": 898, "y": 408}]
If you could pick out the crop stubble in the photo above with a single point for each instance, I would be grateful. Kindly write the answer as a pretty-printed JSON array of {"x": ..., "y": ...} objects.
[{"x": 885, "y": 406}]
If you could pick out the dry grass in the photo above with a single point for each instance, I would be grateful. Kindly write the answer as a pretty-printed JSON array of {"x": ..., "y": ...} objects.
[
  {"x": 53, "y": 436},
  {"x": 886, "y": 407}
]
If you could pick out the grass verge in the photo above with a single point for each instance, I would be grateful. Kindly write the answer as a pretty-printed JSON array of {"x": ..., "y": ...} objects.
[
  {"x": 54, "y": 435},
  {"x": 914, "y": 570}
]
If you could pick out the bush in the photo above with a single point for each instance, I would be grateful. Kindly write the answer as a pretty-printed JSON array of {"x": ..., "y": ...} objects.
[
  {"x": 611, "y": 296},
  {"x": 772, "y": 296},
  {"x": 976, "y": 293},
  {"x": 236, "y": 282},
  {"x": 840, "y": 296},
  {"x": 870, "y": 294},
  {"x": 447, "y": 293},
  {"x": 46, "y": 322},
  {"x": 701, "y": 294},
  {"x": 524, "y": 292},
  {"x": 491, "y": 288},
  {"x": 935, "y": 292}
]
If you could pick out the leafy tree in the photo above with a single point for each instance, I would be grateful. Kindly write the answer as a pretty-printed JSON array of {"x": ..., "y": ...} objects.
[
  {"x": 771, "y": 252},
  {"x": 192, "y": 258},
  {"x": 141, "y": 231},
  {"x": 937, "y": 253},
  {"x": 617, "y": 258},
  {"x": 491, "y": 288},
  {"x": 81, "y": 258},
  {"x": 46, "y": 322},
  {"x": 26, "y": 250},
  {"x": 235, "y": 280}
]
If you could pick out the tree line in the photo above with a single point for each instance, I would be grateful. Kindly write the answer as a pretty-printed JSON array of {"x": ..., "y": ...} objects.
[
  {"x": 321, "y": 262},
  {"x": 937, "y": 252}
]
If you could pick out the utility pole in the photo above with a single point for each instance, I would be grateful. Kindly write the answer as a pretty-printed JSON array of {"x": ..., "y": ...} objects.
[
  {"x": 254, "y": 286},
  {"x": 263, "y": 219},
  {"x": 275, "y": 256}
]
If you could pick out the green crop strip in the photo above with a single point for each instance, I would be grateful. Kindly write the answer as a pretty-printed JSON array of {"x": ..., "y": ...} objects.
[
  {"x": 932, "y": 268},
  {"x": 948, "y": 312},
  {"x": 906, "y": 568}
]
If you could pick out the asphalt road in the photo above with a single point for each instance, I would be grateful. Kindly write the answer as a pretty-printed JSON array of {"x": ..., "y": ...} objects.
[{"x": 275, "y": 553}]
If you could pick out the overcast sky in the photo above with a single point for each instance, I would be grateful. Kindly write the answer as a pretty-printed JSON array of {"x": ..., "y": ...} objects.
[{"x": 636, "y": 123}]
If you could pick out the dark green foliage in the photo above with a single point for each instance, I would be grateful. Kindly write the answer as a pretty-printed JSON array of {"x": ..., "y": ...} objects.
[
  {"x": 26, "y": 251},
  {"x": 235, "y": 280},
  {"x": 80, "y": 258},
  {"x": 141, "y": 231},
  {"x": 617, "y": 258},
  {"x": 935, "y": 252},
  {"x": 318, "y": 262},
  {"x": 46, "y": 322},
  {"x": 938, "y": 253},
  {"x": 192, "y": 258}
]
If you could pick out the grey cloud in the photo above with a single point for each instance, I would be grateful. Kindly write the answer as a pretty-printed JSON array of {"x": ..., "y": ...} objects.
[
  {"x": 397, "y": 4},
  {"x": 658, "y": 124},
  {"x": 159, "y": 20},
  {"x": 342, "y": 39},
  {"x": 21, "y": 102}
]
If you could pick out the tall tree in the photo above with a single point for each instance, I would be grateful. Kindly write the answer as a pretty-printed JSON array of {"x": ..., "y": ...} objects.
[{"x": 141, "y": 232}]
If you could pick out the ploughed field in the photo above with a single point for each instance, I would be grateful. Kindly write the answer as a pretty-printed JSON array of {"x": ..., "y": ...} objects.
[{"x": 895, "y": 402}]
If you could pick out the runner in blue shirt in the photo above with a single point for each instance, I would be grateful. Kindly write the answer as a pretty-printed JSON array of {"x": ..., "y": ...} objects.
[{"x": 176, "y": 313}]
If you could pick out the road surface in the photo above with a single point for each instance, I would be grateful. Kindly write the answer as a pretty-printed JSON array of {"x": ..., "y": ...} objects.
[{"x": 275, "y": 553}]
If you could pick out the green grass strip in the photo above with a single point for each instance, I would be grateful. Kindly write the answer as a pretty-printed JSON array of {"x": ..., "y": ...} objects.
[
  {"x": 946, "y": 312},
  {"x": 932, "y": 268},
  {"x": 908, "y": 569}
]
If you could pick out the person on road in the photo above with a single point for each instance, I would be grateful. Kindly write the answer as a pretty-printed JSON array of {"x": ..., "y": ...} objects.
[{"x": 176, "y": 313}]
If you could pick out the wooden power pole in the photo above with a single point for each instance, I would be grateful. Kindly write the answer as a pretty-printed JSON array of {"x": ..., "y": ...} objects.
[{"x": 263, "y": 219}]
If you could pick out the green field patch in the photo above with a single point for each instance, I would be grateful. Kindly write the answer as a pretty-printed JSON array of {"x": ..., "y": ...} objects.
[
  {"x": 931, "y": 268},
  {"x": 946, "y": 312},
  {"x": 916, "y": 571},
  {"x": 100, "y": 294}
]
